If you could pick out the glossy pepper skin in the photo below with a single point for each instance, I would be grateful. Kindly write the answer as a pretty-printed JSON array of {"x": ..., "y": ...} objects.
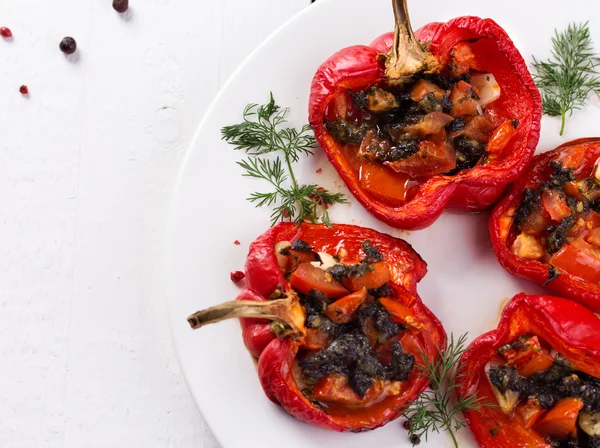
[
  {"x": 357, "y": 67},
  {"x": 276, "y": 356},
  {"x": 569, "y": 328},
  {"x": 502, "y": 218}
]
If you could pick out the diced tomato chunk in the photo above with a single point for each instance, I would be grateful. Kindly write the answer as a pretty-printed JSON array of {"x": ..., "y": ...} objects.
[
  {"x": 378, "y": 276},
  {"x": 530, "y": 412},
  {"x": 579, "y": 259},
  {"x": 464, "y": 98},
  {"x": 572, "y": 189},
  {"x": 400, "y": 313},
  {"x": 431, "y": 159},
  {"x": 527, "y": 246},
  {"x": 501, "y": 137},
  {"x": 308, "y": 277},
  {"x": 423, "y": 87},
  {"x": 535, "y": 223},
  {"x": 572, "y": 156},
  {"x": 382, "y": 183},
  {"x": 432, "y": 123},
  {"x": 555, "y": 204},
  {"x": 344, "y": 310},
  {"x": 410, "y": 344},
  {"x": 537, "y": 362},
  {"x": 561, "y": 421},
  {"x": 315, "y": 339},
  {"x": 462, "y": 59},
  {"x": 478, "y": 128},
  {"x": 335, "y": 389}
]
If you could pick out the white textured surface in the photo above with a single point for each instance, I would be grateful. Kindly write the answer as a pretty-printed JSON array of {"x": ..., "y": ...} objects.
[{"x": 87, "y": 165}]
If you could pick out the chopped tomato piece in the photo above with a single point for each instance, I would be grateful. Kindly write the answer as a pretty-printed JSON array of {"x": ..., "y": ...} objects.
[
  {"x": 368, "y": 327},
  {"x": 384, "y": 184},
  {"x": 579, "y": 259},
  {"x": 594, "y": 237},
  {"x": 339, "y": 107},
  {"x": 431, "y": 159},
  {"x": 432, "y": 123},
  {"x": 501, "y": 137},
  {"x": 582, "y": 227},
  {"x": 560, "y": 421},
  {"x": 537, "y": 362},
  {"x": 572, "y": 189},
  {"x": 371, "y": 144},
  {"x": 378, "y": 276},
  {"x": 572, "y": 157},
  {"x": 462, "y": 59},
  {"x": 535, "y": 224},
  {"x": 526, "y": 347},
  {"x": 530, "y": 412},
  {"x": 423, "y": 88},
  {"x": 400, "y": 313},
  {"x": 335, "y": 389},
  {"x": 478, "y": 128},
  {"x": 465, "y": 99},
  {"x": 343, "y": 310},
  {"x": 308, "y": 277},
  {"x": 555, "y": 204},
  {"x": 527, "y": 246},
  {"x": 410, "y": 344},
  {"x": 315, "y": 339}
]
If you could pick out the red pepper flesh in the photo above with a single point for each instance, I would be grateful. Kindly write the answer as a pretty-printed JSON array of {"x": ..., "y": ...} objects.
[
  {"x": 276, "y": 356},
  {"x": 568, "y": 327},
  {"x": 355, "y": 68}
]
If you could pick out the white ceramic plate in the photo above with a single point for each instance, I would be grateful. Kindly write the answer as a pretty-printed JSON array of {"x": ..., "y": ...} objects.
[{"x": 465, "y": 286}]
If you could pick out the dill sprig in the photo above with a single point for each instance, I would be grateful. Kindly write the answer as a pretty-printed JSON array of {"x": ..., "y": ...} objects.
[
  {"x": 261, "y": 133},
  {"x": 435, "y": 409},
  {"x": 567, "y": 79}
]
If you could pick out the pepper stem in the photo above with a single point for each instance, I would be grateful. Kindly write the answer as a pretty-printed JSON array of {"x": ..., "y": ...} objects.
[
  {"x": 407, "y": 55},
  {"x": 287, "y": 312}
]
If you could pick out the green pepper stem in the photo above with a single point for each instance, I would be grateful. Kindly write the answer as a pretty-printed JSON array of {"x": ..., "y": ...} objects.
[
  {"x": 286, "y": 311},
  {"x": 407, "y": 55}
]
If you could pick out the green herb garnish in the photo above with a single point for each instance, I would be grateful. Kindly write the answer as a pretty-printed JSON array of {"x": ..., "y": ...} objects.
[
  {"x": 567, "y": 79},
  {"x": 262, "y": 133},
  {"x": 435, "y": 409}
]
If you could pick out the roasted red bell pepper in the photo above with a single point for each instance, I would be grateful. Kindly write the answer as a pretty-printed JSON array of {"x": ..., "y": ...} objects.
[
  {"x": 546, "y": 228},
  {"x": 278, "y": 344},
  {"x": 357, "y": 68},
  {"x": 570, "y": 330}
]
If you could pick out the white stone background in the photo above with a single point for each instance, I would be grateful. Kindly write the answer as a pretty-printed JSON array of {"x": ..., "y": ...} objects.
[{"x": 87, "y": 166}]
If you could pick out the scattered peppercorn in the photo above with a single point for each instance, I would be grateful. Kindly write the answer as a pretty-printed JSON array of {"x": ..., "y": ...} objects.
[
  {"x": 121, "y": 5},
  {"x": 319, "y": 170},
  {"x": 5, "y": 32},
  {"x": 68, "y": 45},
  {"x": 407, "y": 424},
  {"x": 237, "y": 276},
  {"x": 24, "y": 90},
  {"x": 415, "y": 439},
  {"x": 237, "y": 243}
]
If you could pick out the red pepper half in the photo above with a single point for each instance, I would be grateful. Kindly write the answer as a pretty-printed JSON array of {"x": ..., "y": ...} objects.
[
  {"x": 276, "y": 346},
  {"x": 562, "y": 188},
  {"x": 569, "y": 328},
  {"x": 358, "y": 67}
]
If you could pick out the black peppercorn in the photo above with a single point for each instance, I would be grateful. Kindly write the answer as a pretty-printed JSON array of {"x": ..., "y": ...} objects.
[
  {"x": 68, "y": 45},
  {"x": 121, "y": 5}
]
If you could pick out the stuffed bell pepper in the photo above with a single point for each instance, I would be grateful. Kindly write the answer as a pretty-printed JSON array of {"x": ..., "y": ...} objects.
[
  {"x": 333, "y": 316},
  {"x": 541, "y": 370},
  {"x": 447, "y": 117},
  {"x": 547, "y": 229}
]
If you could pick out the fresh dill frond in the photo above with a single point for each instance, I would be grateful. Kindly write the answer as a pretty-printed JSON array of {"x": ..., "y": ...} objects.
[
  {"x": 567, "y": 79},
  {"x": 435, "y": 410},
  {"x": 260, "y": 133}
]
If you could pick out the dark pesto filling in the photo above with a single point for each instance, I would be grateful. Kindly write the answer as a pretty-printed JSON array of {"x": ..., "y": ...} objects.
[
  {"x": 391, "y": 143},
  {"x": 550, "y": 386},
  {"x": 349, "y": 351}
]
